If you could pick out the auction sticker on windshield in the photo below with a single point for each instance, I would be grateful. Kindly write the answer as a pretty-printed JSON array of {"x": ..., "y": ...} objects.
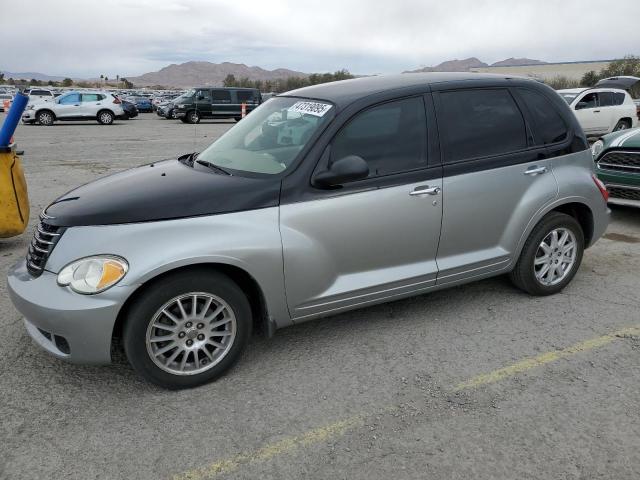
[{"x": 312, "y": 108}]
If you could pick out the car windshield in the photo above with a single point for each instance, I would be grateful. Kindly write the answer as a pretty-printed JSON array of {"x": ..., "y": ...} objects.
[
  {"x": 569, "y": 97},
  {"x": 269, "y": 139}
]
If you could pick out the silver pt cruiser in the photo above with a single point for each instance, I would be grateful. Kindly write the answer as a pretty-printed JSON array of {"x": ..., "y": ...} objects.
[{"x": 324, "y": 199}]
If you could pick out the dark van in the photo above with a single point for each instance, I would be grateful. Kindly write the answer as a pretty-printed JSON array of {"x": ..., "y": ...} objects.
[{"x": 209, "y": 102}]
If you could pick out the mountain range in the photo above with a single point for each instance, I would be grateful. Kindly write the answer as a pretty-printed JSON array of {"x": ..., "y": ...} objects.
[
  {"x": 472, "y": 62},
  {"x": 191, "y": 74}
]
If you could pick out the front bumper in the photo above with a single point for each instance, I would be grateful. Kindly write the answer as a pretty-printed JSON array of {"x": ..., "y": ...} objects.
[
  {"x": 74, "y": 327},
  {"x": 29, "y": 116},
  {"x": 179, "y": 113}
]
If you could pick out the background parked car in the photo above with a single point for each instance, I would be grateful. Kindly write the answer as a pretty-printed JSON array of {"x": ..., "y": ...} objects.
[
  {"x": 143, "y": 104},
  {"x": 101, "y": 106},
  {"x": 207, "y": 102},
  {"x": 3, "y": 97},
  {"x": 617, "y": 157},
  {"x": 601, "y": 110},
  {"x": 130, "y": 109},
  {"x": 40, "y": 94},
  {"x": 165, "y": 110}
]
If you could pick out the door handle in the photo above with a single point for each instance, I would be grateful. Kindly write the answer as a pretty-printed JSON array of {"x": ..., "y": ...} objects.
[
  {"x": 535, "y": 170},
  {"x": 426, "y": 190},
  {"x": 596, "y": 111}
]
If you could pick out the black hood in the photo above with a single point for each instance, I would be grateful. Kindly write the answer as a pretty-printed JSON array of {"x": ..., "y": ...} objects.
[{"x": 161, "y": 191}]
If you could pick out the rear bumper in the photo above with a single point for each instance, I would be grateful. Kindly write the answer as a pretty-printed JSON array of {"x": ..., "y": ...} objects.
[{"x": 70, "y": 326}]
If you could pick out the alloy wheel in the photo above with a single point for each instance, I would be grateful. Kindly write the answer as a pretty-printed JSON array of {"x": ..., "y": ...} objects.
[
  {"x": 191, "y": 333},
  {"x": 555, "y": 257}
]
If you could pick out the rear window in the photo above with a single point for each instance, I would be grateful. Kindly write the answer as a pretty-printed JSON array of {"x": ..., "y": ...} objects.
[
  {"x": 221, "y": 96},
  {"x": 43, "y": 93},
  {"x": 606, "y": 99},
  {"x": 480, "y": 123},
  {"x": 549, "y": 124}
]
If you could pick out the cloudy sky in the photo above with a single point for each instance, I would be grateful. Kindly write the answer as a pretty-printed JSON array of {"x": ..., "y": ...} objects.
[{"x": 85, "y": 38}]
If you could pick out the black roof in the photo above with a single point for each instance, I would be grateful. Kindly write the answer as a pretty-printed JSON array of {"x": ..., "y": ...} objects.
[{"x": 344, "y": 92}]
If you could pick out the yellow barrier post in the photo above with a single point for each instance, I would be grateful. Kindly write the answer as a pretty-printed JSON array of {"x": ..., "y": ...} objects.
[{"x": 14, "y": 198}]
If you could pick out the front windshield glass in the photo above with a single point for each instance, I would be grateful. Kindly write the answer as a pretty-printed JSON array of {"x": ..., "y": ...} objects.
[{"x": 268, "y": 140}]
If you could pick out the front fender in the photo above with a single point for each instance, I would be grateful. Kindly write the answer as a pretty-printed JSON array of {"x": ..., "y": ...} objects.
[{"x": 248, "y": 240}]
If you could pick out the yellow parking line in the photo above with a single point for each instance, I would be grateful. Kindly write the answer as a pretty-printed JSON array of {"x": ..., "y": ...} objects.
[
  {"x": 534, "y": 362},
  {"x": 339, "y": 428},
  {"x": 271, "y": 450}
]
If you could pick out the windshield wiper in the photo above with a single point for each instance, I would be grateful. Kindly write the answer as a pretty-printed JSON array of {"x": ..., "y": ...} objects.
[{"x": 213, "y": 167}]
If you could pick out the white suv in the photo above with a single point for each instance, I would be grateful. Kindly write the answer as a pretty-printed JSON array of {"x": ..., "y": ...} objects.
[
  {"x": 101, "y": 106},
  {"x": 601, "y": 110}
]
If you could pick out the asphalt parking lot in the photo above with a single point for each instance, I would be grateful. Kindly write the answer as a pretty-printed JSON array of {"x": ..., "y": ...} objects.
[{"x": 475, "y": 382}]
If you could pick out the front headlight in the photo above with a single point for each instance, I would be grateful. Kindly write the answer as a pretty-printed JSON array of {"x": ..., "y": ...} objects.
[
  {"x": 181, "y": 105},
  {"x": 93, "y": 274},
  {"x": 597, "y": 148}
]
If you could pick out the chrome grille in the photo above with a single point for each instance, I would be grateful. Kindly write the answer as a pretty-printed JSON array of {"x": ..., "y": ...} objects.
[
  {"x": 621, "y": 161},
  {"x": 625, "y": 193},
  {"x": 44, "y": 240}
]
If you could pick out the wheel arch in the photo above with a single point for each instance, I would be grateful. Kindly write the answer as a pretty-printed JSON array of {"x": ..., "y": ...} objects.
[
  {"x": 246, "y": 282},
  {"x": 105, "y": 110},
  {"x": 574, "y": 207},
  {"x": 45, "y": 109}
]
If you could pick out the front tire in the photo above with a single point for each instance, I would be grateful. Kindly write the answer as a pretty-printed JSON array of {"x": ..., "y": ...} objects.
[
  {"x": 187, "y": 329},
  {"x": 551, "y": 255},
  {"x": 46, "y": 118},
  {"x": 193, "y": 117},
  {"x": 105, "y": 117}
]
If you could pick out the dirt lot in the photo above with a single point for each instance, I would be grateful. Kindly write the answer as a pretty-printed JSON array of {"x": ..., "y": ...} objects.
[{"x": 476, "y": 382}]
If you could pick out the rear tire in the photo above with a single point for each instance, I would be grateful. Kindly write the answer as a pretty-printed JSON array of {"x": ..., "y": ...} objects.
[
  {"x": 549, "y": 260},
  {"x": 224, "y": 335},
  {"x": 46, "y": 118},
  {"x": 622, "y": 125},
  {"x": 105, "y": 117}
]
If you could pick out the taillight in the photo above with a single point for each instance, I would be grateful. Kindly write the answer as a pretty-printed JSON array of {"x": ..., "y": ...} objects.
[{"x": 602, "y": 187}]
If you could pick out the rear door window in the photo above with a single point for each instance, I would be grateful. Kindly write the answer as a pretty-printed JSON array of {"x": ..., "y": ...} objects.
[
  {"x": 479, "y": 123},
  {"x": 606, "y": 99},
  {"x": 221, "y": 96},
  {"x": 550, "y": 127},
  {"x": 391, "y": 137}
]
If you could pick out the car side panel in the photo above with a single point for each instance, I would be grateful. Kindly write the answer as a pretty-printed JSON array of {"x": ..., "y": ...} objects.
[{"x": 484, "y": 215}]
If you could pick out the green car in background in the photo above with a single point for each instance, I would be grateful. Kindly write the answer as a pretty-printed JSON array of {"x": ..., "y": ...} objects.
[{"x": 617, "y": 157}]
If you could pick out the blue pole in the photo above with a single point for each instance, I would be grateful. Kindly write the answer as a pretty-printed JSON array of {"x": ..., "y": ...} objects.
[{"x": 13, "y": 118}]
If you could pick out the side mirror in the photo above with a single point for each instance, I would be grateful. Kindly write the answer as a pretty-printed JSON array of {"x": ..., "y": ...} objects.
[{"x": 347, "y": 169}]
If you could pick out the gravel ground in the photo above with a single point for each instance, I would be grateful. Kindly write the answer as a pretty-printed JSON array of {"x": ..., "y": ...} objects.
[{"x": 368, "y": 394}]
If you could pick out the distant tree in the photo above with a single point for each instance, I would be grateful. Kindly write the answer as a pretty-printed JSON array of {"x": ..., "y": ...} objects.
[
  {"x": 127, "y": 84},
  {"x": 1, "y": 78},
  {"x": 67, "y": 82},
  {"x": 106, "y": 79},
  {"x": 230, "y": 81},
  {"x": 11, "y": 81},
  {"x": 35, "y": 83},
  {"x": 589, "y": 79}
]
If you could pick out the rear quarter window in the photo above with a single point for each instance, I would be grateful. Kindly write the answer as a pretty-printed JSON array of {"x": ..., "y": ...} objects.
[
  {"x": 550, "y": 127},
  {"x": 479, "y": 123}
]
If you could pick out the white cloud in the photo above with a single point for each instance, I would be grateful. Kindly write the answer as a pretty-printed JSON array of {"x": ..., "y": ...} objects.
[{"x": 128, "y": 37}]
